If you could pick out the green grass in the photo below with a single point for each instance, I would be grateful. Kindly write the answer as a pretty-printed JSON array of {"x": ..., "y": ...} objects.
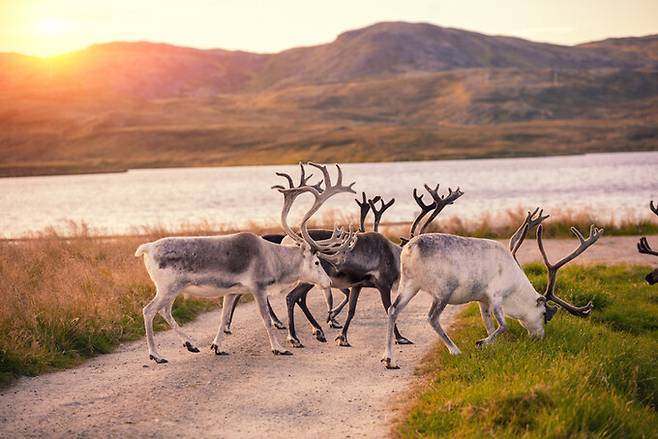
[{"x": 595, "y": 377}]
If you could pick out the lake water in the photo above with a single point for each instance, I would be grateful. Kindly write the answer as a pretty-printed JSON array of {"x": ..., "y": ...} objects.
[{"x": 607, "y": 184}]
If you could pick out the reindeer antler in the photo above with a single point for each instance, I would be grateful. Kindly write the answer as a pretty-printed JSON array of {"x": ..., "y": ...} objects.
[
  {"x": 331, "y": 249},
  {"x": 365, "y": 208},
  {"x": 549, "y": 294},
  {"x": 643, "y": 245},
  {"x": 440, "y": 202},
  {"x": 528, "y": 224},
  {"x": 379, "y": 212}
]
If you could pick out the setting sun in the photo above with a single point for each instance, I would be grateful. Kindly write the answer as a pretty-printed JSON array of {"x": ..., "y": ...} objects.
[
  {"x": 52, "y": 27},
  {"x": 52, "y": 36}
]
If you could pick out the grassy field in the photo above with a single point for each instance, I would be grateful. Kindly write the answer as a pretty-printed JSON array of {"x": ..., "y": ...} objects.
[{"x": 595, "y": 377}]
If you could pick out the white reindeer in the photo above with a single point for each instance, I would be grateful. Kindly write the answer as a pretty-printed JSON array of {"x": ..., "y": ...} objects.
[
  {"x": 457, "y": 270},
  {"x": 214, "y": 266}
]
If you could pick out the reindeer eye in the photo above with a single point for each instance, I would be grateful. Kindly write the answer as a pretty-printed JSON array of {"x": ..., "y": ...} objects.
[{"x": 317, "y": 262}]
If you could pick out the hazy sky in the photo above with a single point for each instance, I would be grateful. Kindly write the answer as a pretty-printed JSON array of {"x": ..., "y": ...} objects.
[{"x": 48, "y": 27}]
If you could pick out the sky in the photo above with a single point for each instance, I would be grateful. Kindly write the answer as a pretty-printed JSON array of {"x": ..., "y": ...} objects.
[{"x": 50, "y": 27}]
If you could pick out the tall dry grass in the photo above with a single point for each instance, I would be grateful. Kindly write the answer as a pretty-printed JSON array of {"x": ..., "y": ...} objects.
[{"x": 67, "y": 299}]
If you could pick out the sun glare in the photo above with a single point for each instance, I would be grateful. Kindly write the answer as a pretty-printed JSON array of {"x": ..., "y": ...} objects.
[{"x": 52, "y": 36}]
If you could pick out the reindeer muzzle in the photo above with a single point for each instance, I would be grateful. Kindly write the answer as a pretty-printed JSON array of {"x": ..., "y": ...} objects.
[
  {"x": 550, "y": 312},
  {"x": 652, "y": 278}
]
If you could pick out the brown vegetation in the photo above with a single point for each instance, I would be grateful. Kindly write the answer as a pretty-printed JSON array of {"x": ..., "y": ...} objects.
[{"x": 395, "y": 91}]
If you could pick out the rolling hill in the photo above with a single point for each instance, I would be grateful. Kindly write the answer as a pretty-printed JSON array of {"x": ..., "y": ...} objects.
[{"x": 391, "y": 91}]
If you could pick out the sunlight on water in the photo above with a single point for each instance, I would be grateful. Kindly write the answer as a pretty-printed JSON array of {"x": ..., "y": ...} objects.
[{"x": 608, "y": 184}]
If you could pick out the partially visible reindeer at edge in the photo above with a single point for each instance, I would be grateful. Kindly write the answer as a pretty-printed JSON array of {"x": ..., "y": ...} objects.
[{"x": 644, "y": 248}]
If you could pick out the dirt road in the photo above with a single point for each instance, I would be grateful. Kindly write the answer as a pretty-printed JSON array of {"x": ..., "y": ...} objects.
[{"x": 323, "y": 390}]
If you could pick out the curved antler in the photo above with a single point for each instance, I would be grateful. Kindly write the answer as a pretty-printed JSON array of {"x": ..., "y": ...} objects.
[
  {"x": 643, "y": 245},
  {"x": 424, "y": 210},
  {"x": 379, "y": 212},
  {"x": 529, "y": 223},
  {"x": 440, "y": 202},
  {"x": 594, "y": 235},
  {"x": 644, "y": 248},
  {"x": 331, "y": 249}
]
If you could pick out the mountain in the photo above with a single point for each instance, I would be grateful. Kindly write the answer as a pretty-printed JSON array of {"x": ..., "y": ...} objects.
[
  {"x": 134, "y": 69},
  {"x": 394, "y": 48},
  {"x": 639, "y": 48},
  {"x": 391, "y": 91}
]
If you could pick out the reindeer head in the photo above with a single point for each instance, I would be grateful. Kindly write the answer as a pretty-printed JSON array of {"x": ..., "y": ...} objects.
[
  {"x": 332, "y": 249},
  {"x": 644, "y": 248}
]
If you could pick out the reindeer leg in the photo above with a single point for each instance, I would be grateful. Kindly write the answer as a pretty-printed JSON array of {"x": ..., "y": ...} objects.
[
  {"x": 291, "y": 299},
  {"x": 331, "y": 318},
  {"x": 434, "y": 317},
  {"x": 485, "y": 311},
  {"x": 404, "y": 296},
  {"x": 502, "y": 326},
  {"x": 227, "y": 311},
  {"x": 165, "y": 312},
  {"x": 261, "y": 301},
  {"x": 232, "y": 303},
  {"x": 354, "y": 297},
  {"x": 149, "y": 312},
  {"x": 385, "y": 294},
  {"x": 317, "y": 329},
  {"x": 275, "y": 320}
]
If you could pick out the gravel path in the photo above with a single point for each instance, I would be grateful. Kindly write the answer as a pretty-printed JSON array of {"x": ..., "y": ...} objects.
[{"x": 322, "y": 390}]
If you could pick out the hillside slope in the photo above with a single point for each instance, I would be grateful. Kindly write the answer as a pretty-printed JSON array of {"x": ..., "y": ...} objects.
[{"x": 391, "y": 91}]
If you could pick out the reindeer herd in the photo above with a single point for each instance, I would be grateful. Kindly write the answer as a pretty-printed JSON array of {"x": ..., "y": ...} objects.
[{"x": 451, "y": 269}]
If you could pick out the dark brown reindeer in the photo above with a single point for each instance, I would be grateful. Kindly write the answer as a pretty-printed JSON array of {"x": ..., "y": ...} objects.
[
  {"x": 374, "y": 262},
  {"x": 644, "y": 248}
]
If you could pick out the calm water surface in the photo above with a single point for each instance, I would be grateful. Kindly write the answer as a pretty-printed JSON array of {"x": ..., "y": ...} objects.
[{"x": 608, "y": 184}]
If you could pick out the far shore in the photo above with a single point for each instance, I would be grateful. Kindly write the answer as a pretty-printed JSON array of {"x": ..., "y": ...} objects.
[{"x": 45, "y": 169}]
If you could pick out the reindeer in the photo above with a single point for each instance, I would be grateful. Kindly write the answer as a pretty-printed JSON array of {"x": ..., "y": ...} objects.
[
  {"x": 456, "y": 270},
  {"x": 365, "y": 206},
  {"x": 214, "y": 266},
  {"x": 373, "y": 262},
  {"x": 644, "y": 248}
]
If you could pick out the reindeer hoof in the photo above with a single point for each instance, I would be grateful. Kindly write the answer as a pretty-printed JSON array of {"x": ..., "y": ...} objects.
[
  {"x": 403, "y": 340},
  {"x": 342, "y": 341},
  {"x": 481, "y": 343},
  {"x": 158, "y": 359},
  {"x": 295, "y": 343},
  {"x": 279, "y": 325},
  {"x": 228, "y": 332},
  {"x": 387, "y": 364},
  {"x": 190, "y": 347},
  {"x": 319, "y": 336},
  {"x": 278, "y": 352},
  {"x": 333, "y": 323},
  {"x": 215, "y": 349}
]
